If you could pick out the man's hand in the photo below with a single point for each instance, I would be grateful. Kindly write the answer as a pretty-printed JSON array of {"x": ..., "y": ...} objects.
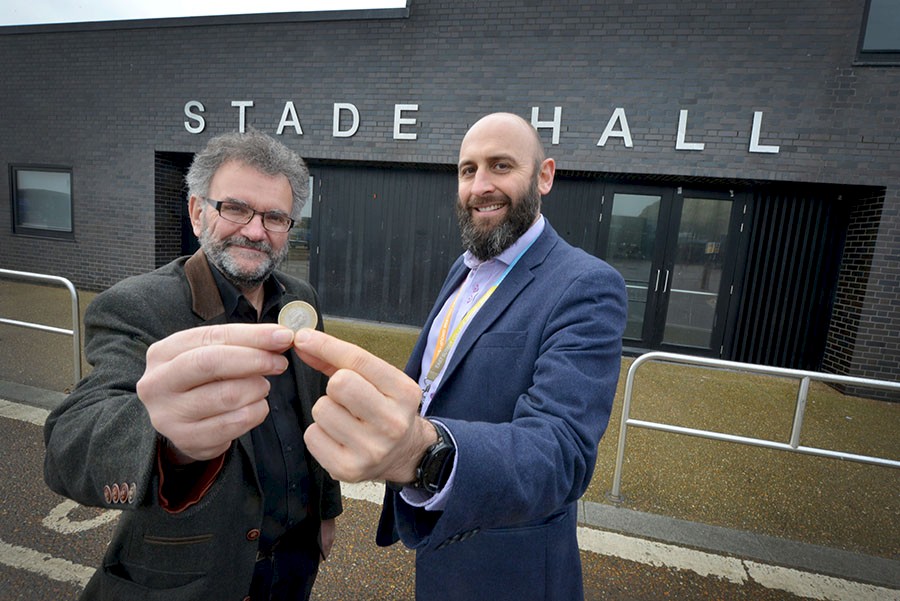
[
  {"x": 367, "y": 426},
  {"x": 206, "y": 386}
]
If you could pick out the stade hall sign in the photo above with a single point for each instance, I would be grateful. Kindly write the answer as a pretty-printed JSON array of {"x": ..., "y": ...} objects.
[{"x": 346, "y": 122}]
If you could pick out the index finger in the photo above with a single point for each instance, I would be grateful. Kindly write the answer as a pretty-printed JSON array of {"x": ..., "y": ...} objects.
[
  {"x": 262, "y": 336},
  {"x": 329, "y": 354}
]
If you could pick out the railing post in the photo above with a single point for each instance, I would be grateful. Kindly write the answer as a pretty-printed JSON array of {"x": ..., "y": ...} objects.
[
  {"x": 615, "y": 495},
  {"x": 75, "y": 332},
  {"x": 799, "y": 412}
]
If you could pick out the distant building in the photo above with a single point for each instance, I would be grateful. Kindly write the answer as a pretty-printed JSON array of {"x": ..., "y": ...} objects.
[{"x": 738, "y": 162}]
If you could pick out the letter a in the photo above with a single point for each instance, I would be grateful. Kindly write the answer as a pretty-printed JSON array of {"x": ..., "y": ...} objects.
[{"x": 623, "y": 132}]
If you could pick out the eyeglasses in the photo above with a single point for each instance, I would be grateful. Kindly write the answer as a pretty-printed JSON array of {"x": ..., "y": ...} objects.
[{"x": 236, "y": 212}]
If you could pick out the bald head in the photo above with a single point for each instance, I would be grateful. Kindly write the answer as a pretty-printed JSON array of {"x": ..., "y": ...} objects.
[{"x": 509, "y": 130}]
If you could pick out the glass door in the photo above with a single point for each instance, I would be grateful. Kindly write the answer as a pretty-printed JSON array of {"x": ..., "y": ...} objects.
[
  {"x": 631, "y": 248},
  {"x": 695, "y": 273},
  {"x": 671, "y": 249}
]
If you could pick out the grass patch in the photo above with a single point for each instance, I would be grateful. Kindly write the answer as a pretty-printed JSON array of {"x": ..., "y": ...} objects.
[{"x": 839, "y": 504}]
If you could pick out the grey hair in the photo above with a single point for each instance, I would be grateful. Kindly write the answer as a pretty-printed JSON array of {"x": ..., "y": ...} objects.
[{"x": 257, "y": 150}]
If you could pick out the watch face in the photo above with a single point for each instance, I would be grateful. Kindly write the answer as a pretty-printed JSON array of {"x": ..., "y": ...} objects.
[
  {"x": 436, "y": 466},
  {"x": 433, "y": 470}
]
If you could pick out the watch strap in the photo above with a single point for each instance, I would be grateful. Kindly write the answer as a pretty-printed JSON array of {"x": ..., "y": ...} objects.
[{"x": 436, "y": 465}]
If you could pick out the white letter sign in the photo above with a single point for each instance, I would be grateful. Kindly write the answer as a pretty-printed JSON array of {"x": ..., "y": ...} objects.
[
  {"x": 288, "y": 117},
  {"x": 336, "y": 130},
  {"x": 399, "y": 120},
  {"x": 624, "y": 132},
  {"x": 201, "y": 122},
  {"x": 242, "y": 105},
  {"x": 680, "y": 144},
  {"x": 557, "y": 119},
  {"x": 754, "y": 136}
]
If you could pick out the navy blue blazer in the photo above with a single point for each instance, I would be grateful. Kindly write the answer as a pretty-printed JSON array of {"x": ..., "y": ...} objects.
[{"x": 526, "y": 395}]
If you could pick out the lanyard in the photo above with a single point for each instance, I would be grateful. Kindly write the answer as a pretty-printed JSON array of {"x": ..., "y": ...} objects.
[{"x": 443, "y": 346}]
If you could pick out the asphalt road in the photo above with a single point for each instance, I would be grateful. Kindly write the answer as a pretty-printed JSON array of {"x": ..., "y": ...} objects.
[{"x": 49, "y": 547}]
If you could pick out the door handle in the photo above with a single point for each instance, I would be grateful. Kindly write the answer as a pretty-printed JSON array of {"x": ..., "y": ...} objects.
[
  {"x": 666, "y": 284},
  {"x": 656, "y": 285}
]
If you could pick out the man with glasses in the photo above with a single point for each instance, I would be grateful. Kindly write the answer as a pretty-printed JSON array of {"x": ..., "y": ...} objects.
[{"x": 192, "y": 419}]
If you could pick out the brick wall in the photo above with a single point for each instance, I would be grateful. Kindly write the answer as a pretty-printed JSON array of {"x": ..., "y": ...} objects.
[
  {"x": 862, "y": 339},
  {"x": 106, "y": 100},
  {"x": 170, "y": 198}
]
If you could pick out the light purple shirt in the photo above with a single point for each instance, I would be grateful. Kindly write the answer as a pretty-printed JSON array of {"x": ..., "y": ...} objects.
[{"x": 482, "y": 275}]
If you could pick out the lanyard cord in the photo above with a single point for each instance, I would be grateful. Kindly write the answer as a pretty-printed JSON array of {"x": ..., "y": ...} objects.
[{"x": 442, "y": 349}]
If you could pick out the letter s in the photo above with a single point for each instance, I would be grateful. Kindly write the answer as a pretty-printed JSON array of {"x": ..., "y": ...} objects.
[{"x": 188, "y": 112}]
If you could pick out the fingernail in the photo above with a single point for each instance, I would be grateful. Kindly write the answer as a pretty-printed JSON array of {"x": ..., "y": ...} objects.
[
  {"x": 301, "y": 336},
  {"x": 283, "y": 336}
]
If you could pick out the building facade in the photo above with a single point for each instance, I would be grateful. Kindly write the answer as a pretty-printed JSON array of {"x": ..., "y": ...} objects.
[{"x": 738, "y": 162}]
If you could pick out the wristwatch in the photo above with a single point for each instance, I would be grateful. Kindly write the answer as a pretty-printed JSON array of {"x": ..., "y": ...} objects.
[{"x": 436, "y": 465}]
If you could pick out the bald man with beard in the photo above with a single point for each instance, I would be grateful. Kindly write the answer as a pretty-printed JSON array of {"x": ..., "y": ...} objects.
[{"x": 490, "y": 436}]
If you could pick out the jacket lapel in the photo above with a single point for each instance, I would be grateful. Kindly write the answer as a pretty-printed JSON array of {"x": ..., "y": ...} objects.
[
  {"x": 518, "y": 279},
  {"x": 206, "y": 301}
]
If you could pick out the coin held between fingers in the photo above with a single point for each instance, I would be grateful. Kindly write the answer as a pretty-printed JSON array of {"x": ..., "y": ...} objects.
[{"x": 297, "y": 315}]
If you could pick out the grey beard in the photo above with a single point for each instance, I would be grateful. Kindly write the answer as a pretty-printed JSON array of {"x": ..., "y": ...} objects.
[
  {"x": 217, "y": 254},
  {"x": 488, "y": 244}
]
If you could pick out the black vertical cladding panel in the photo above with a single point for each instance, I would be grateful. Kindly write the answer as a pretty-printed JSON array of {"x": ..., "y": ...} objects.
[
  {"x": 804, "y": 232},
  {"x": 766, "y": 265},
  {"x": 830, "y": 251},
  {"x": 331, "y": 252},
  {"x": 747, "y": 331},
  {"x": 795, "y": 250},
  {"x": 777, "y": 268},
  {"x": 573, "y": 207},
  {"x": 791, "y": 262},
  {"x": 388, "y": 236}
]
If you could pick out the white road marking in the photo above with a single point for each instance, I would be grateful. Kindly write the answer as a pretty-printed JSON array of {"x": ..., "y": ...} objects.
[
  {"x": 660, "y": 554},
  {"x": 816, "y": 586},
  {"x": 372, "y": 492},
  {"x": 43, "y": 564},
  {"x": 23, "y": 413},
  {"x": 738, "y": 571},
  {"x": 58, "y": 519}
]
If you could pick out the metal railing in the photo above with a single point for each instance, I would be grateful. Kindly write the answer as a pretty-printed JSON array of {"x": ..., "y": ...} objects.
[
  {"x": 75, "y": 332},
  {"x": 793, "y": 445}
]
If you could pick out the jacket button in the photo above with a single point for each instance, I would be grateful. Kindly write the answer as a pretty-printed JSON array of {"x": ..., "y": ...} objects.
[
  {"x": 253, "y": 534},
  {"x": 107, "y": 494}
]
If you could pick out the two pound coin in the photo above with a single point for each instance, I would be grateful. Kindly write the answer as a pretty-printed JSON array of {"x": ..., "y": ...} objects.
[{"x": 297, "y": 315}]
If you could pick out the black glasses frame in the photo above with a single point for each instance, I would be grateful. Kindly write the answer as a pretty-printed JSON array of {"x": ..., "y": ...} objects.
[{"x": 266, "y": 215}]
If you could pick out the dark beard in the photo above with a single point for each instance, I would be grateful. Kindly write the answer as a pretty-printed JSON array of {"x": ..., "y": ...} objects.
[
  {"x": 487, "y": 244},
  {"x": 216, "y": 253}
]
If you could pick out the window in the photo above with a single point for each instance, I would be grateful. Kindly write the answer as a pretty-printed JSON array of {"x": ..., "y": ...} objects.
[
  {"x": 880, "y": 39},
  {"x": 42, "y": 201}
]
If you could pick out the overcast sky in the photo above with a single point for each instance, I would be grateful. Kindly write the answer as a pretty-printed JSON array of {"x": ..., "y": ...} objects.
[{"x": 31, "y": 12}]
